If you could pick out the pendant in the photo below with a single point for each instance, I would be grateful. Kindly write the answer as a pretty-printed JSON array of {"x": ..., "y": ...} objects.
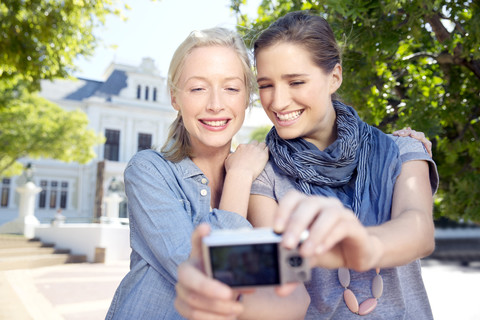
[{"x": 351, "y": 300}]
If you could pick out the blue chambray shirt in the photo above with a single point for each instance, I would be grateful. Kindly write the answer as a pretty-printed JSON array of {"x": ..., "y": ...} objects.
[{"x": 166, "y": 201}]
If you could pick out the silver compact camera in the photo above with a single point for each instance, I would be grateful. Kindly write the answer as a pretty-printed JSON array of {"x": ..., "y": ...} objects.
[{"x": 251, "y": 258}]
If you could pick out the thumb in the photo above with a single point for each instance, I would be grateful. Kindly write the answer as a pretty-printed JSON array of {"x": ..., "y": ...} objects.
[{"x": 196, "y": 254}]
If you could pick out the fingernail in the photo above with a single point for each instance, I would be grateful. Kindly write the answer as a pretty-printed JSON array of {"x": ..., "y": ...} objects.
[
  {"x": 319, "y": 249},
  {"x": 307, "y": 248},
  {"x": 288, "y": 241},
  {"x": 278, "y": 226},
  {"x": 237, "y": 308}
]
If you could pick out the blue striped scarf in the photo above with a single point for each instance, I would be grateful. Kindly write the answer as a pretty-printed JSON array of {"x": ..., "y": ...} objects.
[{"x": 360, "y": 167}]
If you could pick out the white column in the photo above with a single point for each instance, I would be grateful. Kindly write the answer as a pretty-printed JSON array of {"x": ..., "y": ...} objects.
[
  {"x": 26, "y": 222},
  {"x": 112, "y": 209}
]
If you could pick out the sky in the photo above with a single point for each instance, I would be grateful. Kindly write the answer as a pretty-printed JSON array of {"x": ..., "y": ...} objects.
[{"x": 154, "y": 29}]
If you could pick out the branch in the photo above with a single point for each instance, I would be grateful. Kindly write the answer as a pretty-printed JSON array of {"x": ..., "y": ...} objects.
[
  {"x": 8, "y": 165},
  {"x": 420, "y": 55},
  {"x": 438, "y": 28}
]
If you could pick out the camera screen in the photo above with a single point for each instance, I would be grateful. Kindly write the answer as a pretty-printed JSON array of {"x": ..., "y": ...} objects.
[{"x": 245, "y": 265}]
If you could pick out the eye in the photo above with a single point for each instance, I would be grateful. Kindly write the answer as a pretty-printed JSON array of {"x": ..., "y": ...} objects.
[
  {"x": 264, "y": 86},
  {"x": 197, "y": 89},
  {"x": 296, "y": 83},
  {"x": 231, "y": 89}
]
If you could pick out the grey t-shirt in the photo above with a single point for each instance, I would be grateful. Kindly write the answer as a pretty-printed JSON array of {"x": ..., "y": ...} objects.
[{"x": 404, "y": 295}]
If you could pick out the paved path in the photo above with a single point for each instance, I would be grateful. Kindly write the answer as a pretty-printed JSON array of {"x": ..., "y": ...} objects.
[
  {"x": 65, "y": 292},
  {"x": 84, "y": 291}
]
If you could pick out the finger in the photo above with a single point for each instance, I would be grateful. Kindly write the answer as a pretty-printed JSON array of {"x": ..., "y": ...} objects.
[
  {"x": 422, "y": 138},
  {"x": 201, "y": 231},
  {"x": 199, "y": 301},
  {"x": 307, "y": 212},
  {"x": 285, "y": 207},
  {"x": 193, "y": 279},
  {"x": 188, "y": 312},
  {"x": 319, "y": 241},
  {"x": 286, "y": 289}
]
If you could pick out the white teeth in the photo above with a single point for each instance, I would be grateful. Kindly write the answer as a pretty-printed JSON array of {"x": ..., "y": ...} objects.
[
  {"x": 289, "y": 116},
  {"x": 215, "y": 123}
]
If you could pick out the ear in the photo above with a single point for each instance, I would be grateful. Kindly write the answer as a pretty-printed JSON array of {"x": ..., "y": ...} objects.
[
  {"x": 336, "y": 78},
  {"x": 173, "y": 100}
]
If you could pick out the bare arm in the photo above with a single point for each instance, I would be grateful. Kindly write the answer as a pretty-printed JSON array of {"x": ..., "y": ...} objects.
[
  {"x": 409, "y": 235},
  {"x": 338, "y": 239},
  {"x": 242, "y": 168}
]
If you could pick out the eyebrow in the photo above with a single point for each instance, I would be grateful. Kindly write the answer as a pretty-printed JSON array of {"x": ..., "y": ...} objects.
[
  {"x": 206, "y": 78},
  {"x": 285, "y": 76}
]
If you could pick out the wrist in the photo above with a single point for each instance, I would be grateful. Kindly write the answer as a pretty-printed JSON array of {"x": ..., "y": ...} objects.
[{"x": 376, "y": 252}]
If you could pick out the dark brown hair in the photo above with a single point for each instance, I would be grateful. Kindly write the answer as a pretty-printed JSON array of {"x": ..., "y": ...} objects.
[{"x": 310, "y": 31}]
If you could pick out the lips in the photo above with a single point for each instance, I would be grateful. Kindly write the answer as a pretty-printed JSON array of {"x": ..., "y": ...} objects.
[
  {"x": 216, "y": 123},
  {"x": 290, "y": 116}
]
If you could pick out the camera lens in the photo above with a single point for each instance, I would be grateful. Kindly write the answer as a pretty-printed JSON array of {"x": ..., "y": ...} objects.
[{"x": 295, "y": 261}]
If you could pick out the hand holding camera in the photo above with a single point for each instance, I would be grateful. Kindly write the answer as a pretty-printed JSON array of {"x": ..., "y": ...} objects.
[{"x": 246, "y": 258}]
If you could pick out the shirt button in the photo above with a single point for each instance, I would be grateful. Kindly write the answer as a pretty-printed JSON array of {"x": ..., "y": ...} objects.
[
  {"x": 204, "y": 181},
  {"x": 203, "y": 192}
]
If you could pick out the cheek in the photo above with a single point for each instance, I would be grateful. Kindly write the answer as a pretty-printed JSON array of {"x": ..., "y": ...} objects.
[
  {"x": 238, "y": 102},
  {"x": 264, "y": 98}
]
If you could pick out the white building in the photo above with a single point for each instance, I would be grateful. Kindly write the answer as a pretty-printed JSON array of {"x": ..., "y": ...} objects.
[{"x": 132, "y": 109}]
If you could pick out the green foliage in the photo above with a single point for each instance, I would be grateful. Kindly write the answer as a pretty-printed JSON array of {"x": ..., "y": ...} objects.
[
  {"x": 34, "y": 127},
  {"x": 40, "y": 39},
  {"x": 409, "y": 63},
  {"x": 260, "y": 133}
]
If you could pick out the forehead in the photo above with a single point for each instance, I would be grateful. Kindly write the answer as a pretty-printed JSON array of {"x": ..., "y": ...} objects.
[
  {"x": 213, "y": 60},
  {"x": 284, "y": 56}
]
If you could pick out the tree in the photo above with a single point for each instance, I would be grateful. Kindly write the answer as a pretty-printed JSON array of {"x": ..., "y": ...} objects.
[
  {"x": 409, "y": 63},
  {"x": 40, "y": 39},
  {"x": 35, "y": 127}
]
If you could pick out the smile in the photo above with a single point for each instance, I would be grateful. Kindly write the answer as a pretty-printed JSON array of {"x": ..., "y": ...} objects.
[
  {"x": 289, "y": 116},
  {"x": 216, "y": 123}
]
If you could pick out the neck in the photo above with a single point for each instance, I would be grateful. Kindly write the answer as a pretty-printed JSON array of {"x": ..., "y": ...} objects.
[
  {"x": 211, "y": 162},
  {"x": 326, "y": 132}
]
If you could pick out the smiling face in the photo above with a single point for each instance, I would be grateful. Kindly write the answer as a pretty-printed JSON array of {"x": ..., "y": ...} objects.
[
  {"x": 211, "y": 95},
  {"x": 296, "y": 93}
]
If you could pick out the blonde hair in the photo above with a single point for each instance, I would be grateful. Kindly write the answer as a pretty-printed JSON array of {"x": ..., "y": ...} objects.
[{"x": 178, "y": 145}]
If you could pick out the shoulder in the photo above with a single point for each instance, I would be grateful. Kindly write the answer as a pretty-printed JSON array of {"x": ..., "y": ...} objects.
[
  {"x": 148, "y": 160},
  {"x": 411, "y": 149},
  {"x": 408, "y": 144},
  {"x": 147, "y": 156}
]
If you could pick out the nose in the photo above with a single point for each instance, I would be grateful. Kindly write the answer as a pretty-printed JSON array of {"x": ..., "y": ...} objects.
[
  {"x": 215, "y": 101},
  {"x": 281, "y": 98}
]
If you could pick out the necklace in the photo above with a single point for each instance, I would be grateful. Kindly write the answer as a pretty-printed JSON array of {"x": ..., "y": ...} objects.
[{"x": 349, "y": 297}]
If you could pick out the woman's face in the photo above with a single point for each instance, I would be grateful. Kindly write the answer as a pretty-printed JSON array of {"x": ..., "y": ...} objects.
[
  {"x": 211, "y": 96},
  {"x": 296, "y": 93}
]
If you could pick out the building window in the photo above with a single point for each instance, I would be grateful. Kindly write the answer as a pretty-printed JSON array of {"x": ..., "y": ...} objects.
[
  {"x": 56, "y": 193},
  {"x": 154, "y": 94},
  {"x": 146, "y": 93},
  {"x": 139, "y": 91},
  {"x": 112, "y": 145},
  {"x": 5, "y": 192},
  {"x": 144, "y": 141},
  {"x": 53, "y": 194},
  {"x": 43, "y": 194},
  {"x": 63, "y": 195}
]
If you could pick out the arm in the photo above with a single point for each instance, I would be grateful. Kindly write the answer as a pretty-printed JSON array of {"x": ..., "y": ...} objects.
[
  {"x": 242, "y": 168},
  {"x": 409, "y": 235},
  {"x": 338, "y": 239},
  {"x": 162, "y": 215}
]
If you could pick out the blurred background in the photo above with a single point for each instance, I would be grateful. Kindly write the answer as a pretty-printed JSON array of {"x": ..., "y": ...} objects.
[{"x": 83, "y": 88}]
